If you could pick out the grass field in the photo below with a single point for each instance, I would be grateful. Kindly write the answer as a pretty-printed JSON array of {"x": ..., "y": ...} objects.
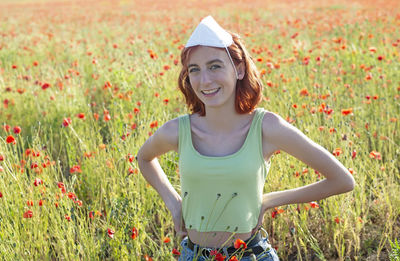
[{"x": 84, "y": 83}]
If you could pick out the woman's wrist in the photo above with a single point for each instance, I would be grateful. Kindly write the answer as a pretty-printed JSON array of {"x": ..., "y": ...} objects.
[{"x": 174, "y": 205}]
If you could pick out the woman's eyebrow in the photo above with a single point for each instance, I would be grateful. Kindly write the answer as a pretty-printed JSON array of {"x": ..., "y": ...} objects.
[{"x": 210, "y": 62}]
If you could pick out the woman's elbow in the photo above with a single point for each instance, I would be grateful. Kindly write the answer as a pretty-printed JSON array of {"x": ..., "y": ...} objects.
[
  {"x": 343, "y": 184},
  {"x": 141, "y": 158},
  {"x": 348, "y": 184}
]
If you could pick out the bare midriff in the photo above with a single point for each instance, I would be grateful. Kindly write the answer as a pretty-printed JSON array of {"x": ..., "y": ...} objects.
[{"x": 215, "y": 239}]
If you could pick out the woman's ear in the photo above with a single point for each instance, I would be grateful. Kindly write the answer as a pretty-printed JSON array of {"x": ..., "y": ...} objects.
[{"x": 241, "y": 70}]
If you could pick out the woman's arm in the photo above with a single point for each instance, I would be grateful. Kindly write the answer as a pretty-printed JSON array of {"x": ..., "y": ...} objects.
[
  {"x": 283, "y": 136},
  {"x": 163, "y": 140}
]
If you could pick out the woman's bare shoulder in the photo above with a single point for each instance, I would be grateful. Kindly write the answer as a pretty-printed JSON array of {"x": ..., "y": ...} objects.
[
  {"x": 169, "y": 133},
  {"x": 272, "y": 123},
  {"x": 163, "y": 140}
]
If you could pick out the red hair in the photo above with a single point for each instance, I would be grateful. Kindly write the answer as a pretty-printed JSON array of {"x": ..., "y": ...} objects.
[{"x": 248, "y": 90}]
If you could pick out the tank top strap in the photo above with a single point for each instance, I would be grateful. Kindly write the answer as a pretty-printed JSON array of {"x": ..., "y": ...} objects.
[
  {"x": 256, "y": 126},
  {"x": 255, "y": 132},
  {"x": 184, "y": 132}
]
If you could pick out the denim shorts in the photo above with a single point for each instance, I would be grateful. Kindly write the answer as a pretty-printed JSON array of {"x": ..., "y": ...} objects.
[{"x": 269, "y": 253}]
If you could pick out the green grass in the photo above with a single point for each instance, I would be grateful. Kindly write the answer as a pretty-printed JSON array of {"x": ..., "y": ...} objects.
[{"x": 368, "y": 217}]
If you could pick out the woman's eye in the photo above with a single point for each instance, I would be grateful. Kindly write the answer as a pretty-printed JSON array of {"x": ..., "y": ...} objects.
[
  {"x": 193, "y": 70},
  {"x": 214, "y": 66}
]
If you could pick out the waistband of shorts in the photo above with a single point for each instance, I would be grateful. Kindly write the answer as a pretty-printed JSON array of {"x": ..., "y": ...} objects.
[{"x": 251, "y": 243}]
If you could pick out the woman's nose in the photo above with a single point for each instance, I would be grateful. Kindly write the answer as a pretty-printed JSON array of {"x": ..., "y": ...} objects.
[{"x": 205, "y": 77}]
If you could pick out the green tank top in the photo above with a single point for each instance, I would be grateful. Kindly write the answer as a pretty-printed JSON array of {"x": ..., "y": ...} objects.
[{"x": 222, "y": 193}]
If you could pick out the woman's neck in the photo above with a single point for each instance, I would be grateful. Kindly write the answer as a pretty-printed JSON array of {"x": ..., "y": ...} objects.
[{"x": 223, "y": 120}]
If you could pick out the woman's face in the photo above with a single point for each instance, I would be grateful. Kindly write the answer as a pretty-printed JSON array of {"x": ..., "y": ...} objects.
[{"x": 212, "y": 76}]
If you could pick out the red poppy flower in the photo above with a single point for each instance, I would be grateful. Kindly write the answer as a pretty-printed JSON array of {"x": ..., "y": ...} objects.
[
  {"x": 37, "y": 182},
  {"x": 1, "y": 157},
  {"x": 132, "y": 171},
  {"x": 353, "y": 154},
  {"x": 153, "y": 55},
  {"x": 110, "y": 233},
  {"x": 67, "y": 217},
  {"x": 337, "y": 152},
  {"x": 17, "y": 130},
  {"x": 71, "y": 195},
  {"x": 304, "y": 92},
  {"x": 234, "y": 258},
  {"x": 375, "y": 155},
  {"x": 6, "y": 127},
  {"x": 66, "y": 122},
  {"x": 240, "y": 244},
  {"x": 28, "y": 214},
  {"x": 134, "y": 233},
  {"x": 130, "y": 157},
  {"x": 34, "y": 165},
  {"x": 314, "y": 204},
  {"x": 75, "y": 168},
  {"x": 96, "y": 116},
  {"x": 153, "y": 124},
  {"x": 1, "y": 195},
  {"x": 306, "y": 60},
  {"x": 40, "y": 203},
  {"x": 176, "y": 252},
  {"x": 147, "y": 258},
  {"x": 106, "y": 117},
  {"x": 81, "y": 115},
  {"x": 91, "y": 214},
  {"x": 218, "y": 255},
  {"x": 347, "y": 111},
  {"x": 10, "y": 139},
  {"x": 45, "y": 86},
  {"x": 166, "y": 240},
  {"x": 107, "y": 85}
]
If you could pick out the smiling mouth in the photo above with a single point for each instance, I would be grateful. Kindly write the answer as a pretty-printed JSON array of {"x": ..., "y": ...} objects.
[{"x": 209, "y": 92}]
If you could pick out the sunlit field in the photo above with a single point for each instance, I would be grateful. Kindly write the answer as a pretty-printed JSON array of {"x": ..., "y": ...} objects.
[{"x": 85, "y": 83}]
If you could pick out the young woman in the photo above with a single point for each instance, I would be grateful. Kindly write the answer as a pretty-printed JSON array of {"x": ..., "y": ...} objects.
[{"x": 224, "y": 148}]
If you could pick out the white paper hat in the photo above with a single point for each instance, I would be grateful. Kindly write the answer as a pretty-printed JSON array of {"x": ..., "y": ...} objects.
[{"x": 210, "y": 33}]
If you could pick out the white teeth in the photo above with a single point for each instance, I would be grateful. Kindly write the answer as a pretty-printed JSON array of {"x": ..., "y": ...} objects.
[{"x": 210, "y": 91}]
